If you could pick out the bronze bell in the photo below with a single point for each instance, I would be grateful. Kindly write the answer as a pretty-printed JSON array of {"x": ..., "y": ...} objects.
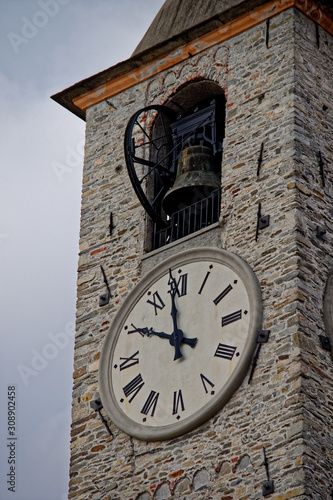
[{"x": 197, "y": 176}]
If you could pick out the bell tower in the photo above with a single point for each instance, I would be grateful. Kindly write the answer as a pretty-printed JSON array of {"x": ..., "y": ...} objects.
[{"x": 203, "y": 363}]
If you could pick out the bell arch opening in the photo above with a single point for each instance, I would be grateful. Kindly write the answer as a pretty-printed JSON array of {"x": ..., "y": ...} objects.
[
  {"x": 192, "y": 155},
  {"x": 192, "y": 93}
]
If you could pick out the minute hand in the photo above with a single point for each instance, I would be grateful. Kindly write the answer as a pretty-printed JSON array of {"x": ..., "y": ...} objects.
[{"x": 177, "y": 335}]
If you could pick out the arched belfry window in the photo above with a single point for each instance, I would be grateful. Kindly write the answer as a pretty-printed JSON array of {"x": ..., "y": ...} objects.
[{"x": 174, "y": 155}]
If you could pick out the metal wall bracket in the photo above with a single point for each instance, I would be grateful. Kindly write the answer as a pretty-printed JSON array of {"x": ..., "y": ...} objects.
[
  {"x": 262, "y": 221},
  {"x": 260, "y": 158},
  {"x": 321, "y": 233},
  {"x": 262, "y": 338},
  {"x": 110, "y": 104},
  {"x": 267, "y": 34},
  {"x": 111, "y": 226},
  {"x": 325, "y": 342},
  {"x": 105, "y": 298},
  {"x": 98, "y": 406},
  {"x": 317, "y": 35},
  {"x": 268, "y": 486}
]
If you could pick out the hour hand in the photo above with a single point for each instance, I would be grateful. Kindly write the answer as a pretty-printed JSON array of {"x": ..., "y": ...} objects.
[
  {"x": 149, "y": 331},
  {"x": 143, "y": 331},
  {"x": 162, "y": 335}
]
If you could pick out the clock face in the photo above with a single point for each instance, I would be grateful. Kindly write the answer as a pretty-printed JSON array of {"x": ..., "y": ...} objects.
[{"x": 180, "y": 344}]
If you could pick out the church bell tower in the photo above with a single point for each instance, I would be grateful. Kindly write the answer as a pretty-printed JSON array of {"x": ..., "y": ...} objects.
[{"x": 203, "y": 365}]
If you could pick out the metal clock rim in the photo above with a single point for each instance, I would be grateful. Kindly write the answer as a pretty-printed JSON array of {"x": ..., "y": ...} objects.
[{"x": 151, "y": 433}]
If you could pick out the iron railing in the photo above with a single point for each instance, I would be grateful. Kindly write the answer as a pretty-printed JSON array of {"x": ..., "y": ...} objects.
[{"x": 189, "y": 220}]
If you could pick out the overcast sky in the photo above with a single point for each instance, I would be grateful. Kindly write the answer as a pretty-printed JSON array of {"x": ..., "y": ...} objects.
[{"x": 46, "y": 46}]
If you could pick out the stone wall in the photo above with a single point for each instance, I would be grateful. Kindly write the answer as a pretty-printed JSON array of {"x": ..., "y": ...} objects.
[
  {"x": 314, "y": 133},
  {"x": 275, "y": 96}
]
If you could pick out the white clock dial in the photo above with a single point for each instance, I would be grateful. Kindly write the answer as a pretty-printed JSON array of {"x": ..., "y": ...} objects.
[{"x": 181, "y": 344}]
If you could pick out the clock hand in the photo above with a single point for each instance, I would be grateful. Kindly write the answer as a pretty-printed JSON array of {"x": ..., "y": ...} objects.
[
  {"x": 149, "y": 331},
  {"x": 177, "y": 335},
  {"x": 143, "y": 331}
]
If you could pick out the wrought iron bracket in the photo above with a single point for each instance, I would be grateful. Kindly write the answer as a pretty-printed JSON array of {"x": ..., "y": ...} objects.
[
  {"x": 98, "y": 406},
  {"x": 110, "y": 104},
  {"x": 268, "y": 486},
  {"x": 111, "y": 226},
  {"x": 317, "y": 35},
  {"x": 262, "y": 338},
  {"x": 262, "y": 221},
  {"x": 325, "y": 342},
  {"x": 201, "y": 125},
  {"x": 267, "y": 34},
  {"x": 321, "y": 233},
  {"x": 105, "y": 297},
  {"x": 260, "y": 158}
]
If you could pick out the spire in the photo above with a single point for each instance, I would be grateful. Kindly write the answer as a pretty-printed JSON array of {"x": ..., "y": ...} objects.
[{"x": 177, "y": 16}]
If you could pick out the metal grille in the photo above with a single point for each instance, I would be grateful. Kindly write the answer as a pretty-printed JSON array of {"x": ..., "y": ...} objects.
[{"x": 189, "y": 220}]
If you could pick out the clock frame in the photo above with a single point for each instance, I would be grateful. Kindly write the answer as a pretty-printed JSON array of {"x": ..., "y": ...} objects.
[{"x": 154, "y": 387}]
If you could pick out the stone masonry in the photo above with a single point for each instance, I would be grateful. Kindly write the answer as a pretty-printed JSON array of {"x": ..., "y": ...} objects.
[{"x": 281, "y": 96}]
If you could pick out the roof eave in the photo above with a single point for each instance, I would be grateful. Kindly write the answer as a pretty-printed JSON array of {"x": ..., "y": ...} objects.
[{"x": 65, "y": 97}]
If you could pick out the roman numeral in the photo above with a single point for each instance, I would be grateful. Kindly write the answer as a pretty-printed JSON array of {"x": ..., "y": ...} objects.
[
  {"x": 132, "y": 360},
  {"x": 230, "y": 318},
  {"x": 204, "y": 282},
  {"x": 204, "y": 380},
  {"x": 177, "y": 399},
  {"x": 222, "y": 295},
  {"x": 225, "y": 351},
  {"x": 182, "y": 285},
  {"x": 150, "y": 403},
  {"x": 157, "y": 302},
  {"x": 133, "y": 387}
]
